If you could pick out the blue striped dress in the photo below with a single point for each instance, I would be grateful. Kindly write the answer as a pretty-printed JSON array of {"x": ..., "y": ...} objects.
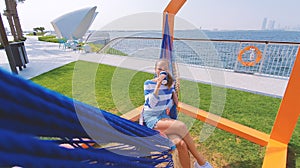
[{"x": 155, "y": 106}]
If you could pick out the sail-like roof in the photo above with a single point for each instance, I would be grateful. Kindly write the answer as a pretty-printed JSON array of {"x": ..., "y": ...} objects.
[{"x": 75, "y": 24}]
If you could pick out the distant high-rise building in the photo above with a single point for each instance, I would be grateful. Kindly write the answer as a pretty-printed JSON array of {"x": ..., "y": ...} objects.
[
  {"x": 271, "y": 25},
  {"x": 264, "y": 24}
]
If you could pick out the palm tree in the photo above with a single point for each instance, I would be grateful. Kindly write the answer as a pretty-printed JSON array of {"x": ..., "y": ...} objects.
[
  {"x": 39, "y": 29},
  {"x": 13, "y": 19}
]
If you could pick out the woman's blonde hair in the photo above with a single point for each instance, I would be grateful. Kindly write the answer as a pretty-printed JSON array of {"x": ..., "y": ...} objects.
[{"x": 165, "y": 63}]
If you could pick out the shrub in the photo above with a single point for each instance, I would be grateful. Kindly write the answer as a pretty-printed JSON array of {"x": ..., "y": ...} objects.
[{"x": 51, "y": 38}]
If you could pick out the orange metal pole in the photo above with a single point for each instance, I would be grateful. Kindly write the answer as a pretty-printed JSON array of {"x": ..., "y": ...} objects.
[
  {"x": 172, "y": 9},
  {"x": 174, "y": 6},
  {"x": 285, "y": 122},
  {"x": 289, "y": 110}
]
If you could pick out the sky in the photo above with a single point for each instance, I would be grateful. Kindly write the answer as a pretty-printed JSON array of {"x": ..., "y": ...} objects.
[{"x": 205, "y": 14}]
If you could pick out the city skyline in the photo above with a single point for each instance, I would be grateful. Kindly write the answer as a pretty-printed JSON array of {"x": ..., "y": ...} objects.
[
  {"x": 270, "y": 24},
  {"x": 227, "y": 15}
]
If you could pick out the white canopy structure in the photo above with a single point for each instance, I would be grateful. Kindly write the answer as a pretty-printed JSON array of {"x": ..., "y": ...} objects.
[{"x": 74, "y": 25}]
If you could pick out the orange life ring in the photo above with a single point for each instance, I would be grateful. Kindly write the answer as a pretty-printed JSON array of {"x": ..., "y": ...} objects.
[{"x": 250, "y": 63}]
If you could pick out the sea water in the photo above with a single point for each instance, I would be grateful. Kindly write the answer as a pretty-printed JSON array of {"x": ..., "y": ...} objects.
[{"x": 260, "y": 35}]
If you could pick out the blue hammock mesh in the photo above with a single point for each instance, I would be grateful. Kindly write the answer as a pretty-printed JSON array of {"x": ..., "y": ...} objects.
[
  {"x": 34, "y": 121},
  {"x": 167, "y": 53}
]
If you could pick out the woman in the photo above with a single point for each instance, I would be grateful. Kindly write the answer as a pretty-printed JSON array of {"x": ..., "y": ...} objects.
[{"x": 159, "y": 98}]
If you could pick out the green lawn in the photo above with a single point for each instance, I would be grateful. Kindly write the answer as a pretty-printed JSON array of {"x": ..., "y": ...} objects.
[{"x": 119, "y": 90}]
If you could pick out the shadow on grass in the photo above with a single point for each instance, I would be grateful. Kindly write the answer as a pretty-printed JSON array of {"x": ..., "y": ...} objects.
[
  {"x": 291, "y": 156},
  {"x": 245, "y": 164},
  {"x": 291, "y": 160}
]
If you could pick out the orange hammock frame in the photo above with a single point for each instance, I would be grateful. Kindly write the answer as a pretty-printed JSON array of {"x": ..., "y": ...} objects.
[{"x": 277, "y": 141}]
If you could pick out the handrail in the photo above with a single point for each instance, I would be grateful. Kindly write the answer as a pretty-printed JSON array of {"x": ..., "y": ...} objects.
[{"x": 214, "y": 40}]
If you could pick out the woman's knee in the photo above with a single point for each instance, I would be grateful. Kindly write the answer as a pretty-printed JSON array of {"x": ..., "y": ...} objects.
[
  {"x": 181, "y": 145},
  {"x": 179, "y": 142},
  {"x": 172, "y": 127},
  {"x": 181, "y": 128}
]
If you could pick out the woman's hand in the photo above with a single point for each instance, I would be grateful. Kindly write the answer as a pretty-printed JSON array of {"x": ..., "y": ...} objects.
[
  {"x": 168, "y": 111},
  {"x": 159, "y": 79}
]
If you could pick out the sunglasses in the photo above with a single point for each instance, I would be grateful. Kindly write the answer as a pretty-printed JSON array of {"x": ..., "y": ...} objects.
[{"x": 160, "y": 69}]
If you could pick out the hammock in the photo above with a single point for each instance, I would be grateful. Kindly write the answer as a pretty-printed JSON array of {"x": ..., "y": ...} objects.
[
  {"x": 35, "y": 121},
  {"x": 167, "y": 53}
]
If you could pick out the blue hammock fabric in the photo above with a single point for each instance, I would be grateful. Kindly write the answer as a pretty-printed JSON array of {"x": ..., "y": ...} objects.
[
  {"x": 167, "y": 53},
  {"x": 167, "y": 45},
  {"x": 35, "y": 121}
]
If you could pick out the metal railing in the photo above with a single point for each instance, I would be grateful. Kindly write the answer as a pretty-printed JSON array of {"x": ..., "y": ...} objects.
[{"x": 277, "y": 58}]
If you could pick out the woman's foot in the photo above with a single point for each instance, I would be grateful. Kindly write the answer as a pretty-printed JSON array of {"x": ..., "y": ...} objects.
[{"x": 206, "y": 165}]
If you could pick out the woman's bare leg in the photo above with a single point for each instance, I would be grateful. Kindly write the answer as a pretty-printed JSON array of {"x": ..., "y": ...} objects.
[
  {"x": 175, "y": 127},
  {"x": 183, "y": 152}
]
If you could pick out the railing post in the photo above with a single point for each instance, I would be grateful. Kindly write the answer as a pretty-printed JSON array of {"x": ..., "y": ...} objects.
[
  {"x": 236, "y": 62},
  {"x": 263, "y": 58}
]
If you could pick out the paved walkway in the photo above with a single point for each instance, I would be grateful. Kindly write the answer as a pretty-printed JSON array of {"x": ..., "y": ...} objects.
[{"x": 44, "y": 57}]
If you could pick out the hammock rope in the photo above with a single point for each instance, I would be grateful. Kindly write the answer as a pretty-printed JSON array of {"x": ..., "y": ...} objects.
[{"x": 30, "y": 111}]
